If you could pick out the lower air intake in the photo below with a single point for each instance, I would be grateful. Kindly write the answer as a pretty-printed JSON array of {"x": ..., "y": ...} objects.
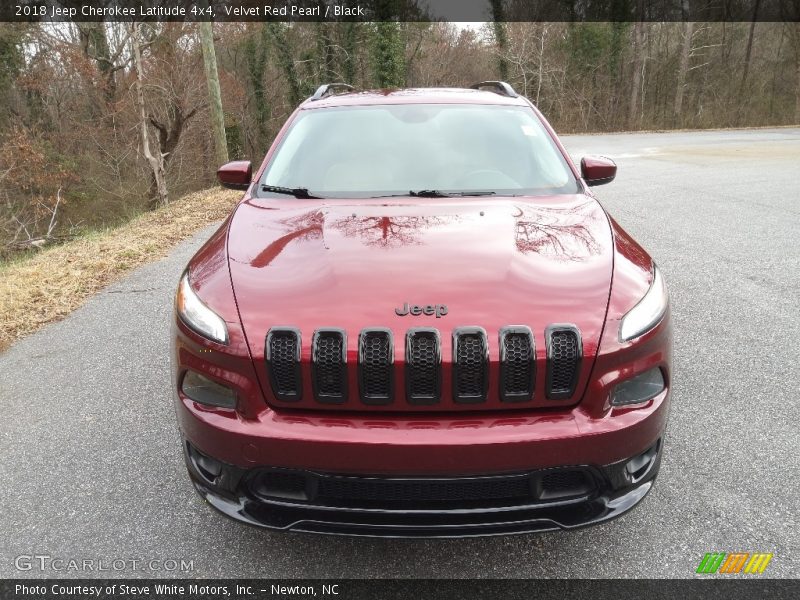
[{"x": 563, "y": 360}]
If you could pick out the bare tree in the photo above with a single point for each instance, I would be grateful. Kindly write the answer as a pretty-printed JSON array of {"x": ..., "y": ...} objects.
[
  {"x": 156, "y": 161},
  {"x": 214, "y": 94},
  {"x": 636, "y": 80},
  {"x": 683, "y": 66}
]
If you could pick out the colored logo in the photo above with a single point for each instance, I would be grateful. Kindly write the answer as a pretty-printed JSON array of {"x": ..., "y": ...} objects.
[{"x": 734, "y": 563}]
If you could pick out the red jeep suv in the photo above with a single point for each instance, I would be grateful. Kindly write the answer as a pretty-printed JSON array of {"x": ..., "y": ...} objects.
[{"x": 418, "y": 321}]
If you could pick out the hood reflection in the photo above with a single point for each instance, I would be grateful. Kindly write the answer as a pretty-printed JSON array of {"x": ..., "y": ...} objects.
[
  {"x": 390, "y": 232},
  {"x": 562, "y": 234},
  {"x": 307, "y": 226}
]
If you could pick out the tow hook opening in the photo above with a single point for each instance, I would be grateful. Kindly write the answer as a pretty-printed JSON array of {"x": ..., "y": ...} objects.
[{"x": 640, "y": 465}]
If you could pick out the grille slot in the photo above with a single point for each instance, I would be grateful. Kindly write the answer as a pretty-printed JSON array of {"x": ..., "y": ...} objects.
[
  {"x": 376, "y": 366},
  {"x": 564, "y": 352},
  {"x": 282, "y": 354},
  {"x": 517, "y": 364},
  {"x": 470, "y": 365},
  {"x": 423, "y": 366},
  {"x": 329, "y": 365}
]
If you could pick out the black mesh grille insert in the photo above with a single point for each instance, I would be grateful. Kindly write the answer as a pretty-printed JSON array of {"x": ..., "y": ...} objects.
[
  {"x": 423, "y": 360},
  {"x": 563, "y": 361},
  {"x": 329, "y": 365},
  {"x": 470, "y": 364},
  {"x": 376, "y": 364},
  {"x": 283, "y": 363},
  {"x": 517, "y": 366},
  {"x": 418, "y": 492}
]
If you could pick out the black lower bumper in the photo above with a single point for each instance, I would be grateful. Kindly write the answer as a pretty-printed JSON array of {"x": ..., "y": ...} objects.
[{"x": 436, "y": 508}]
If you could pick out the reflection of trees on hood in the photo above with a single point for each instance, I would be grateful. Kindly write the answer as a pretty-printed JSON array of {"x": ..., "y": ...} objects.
[
  {"x": 390, "y": 232},
  {"x": 307, "y": 226},
  {"x": 552, "y": 232}
]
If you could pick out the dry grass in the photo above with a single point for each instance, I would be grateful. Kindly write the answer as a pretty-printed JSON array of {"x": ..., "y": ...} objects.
[{"x": 48, "y": 286}]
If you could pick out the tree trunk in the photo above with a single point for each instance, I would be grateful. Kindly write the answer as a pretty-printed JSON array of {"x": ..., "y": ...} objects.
[
  {"x": 683, "y": 67},
  {"x": 749, "y": 50},
  {"x": 797, "y": 89},
  {"x": 796, "y": 44},
  {"x": 636, "y": 81},
  {"x": 214, "y": 94},
  {"x": 501, "y": 38},
  {"x": 158, "y": 187}
]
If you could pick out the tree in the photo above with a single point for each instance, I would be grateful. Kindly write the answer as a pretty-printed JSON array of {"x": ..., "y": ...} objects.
[
  {"x": 156, "y": 161},
  {"x": 214, "y": 94},
  {"x": 500, "y": 38},
  {"x": 636, "y": 80},
  {"x": 683, "y": 66}
]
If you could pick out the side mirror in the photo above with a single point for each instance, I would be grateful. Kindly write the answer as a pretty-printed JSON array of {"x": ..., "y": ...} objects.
[
  {"x": 597, "y": 170},
  {"x": 236, "y": 175}
]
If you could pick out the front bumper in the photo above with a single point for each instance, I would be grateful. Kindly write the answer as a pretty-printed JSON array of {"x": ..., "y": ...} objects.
[{"x": 296, "y": 500}]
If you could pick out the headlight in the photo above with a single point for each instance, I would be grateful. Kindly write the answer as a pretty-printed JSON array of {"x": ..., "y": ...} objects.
[
  {"x": 641, "y": 388},
  {"x": 645, "y": 315},
  {"x": 197, "y": 315}
]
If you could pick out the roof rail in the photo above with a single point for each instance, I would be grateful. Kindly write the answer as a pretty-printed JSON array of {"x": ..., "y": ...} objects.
[
  {"x": 498, "y": 87},
  {"x": 328, "y": 88}
]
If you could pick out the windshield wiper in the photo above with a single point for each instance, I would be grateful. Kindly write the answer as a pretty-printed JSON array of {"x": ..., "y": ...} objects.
[
  {"x": 301, "y": 193},
  {"x": 440, "y": 194},
  {"x": 429, "y": 194}
]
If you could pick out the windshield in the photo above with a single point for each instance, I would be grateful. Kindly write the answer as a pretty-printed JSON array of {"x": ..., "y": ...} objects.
[{"x": 387, "y": 150}]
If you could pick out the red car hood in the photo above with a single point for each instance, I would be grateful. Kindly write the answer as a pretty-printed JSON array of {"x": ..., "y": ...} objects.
[{"x": 492, "y": 262}]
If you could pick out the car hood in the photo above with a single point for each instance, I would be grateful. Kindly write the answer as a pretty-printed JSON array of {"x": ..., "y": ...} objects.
[{"x": 350, "y": 264}]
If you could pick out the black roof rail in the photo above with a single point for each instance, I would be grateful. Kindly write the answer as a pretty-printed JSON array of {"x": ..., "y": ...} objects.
[
  {"x": 328, "y": 88},
  {"x": 498, "y": 87}
]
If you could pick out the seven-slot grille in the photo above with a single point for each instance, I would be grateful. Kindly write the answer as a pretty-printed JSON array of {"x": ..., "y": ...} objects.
[
  {"x": 563, "y": 360},
  {"x": 423, "y": 365}
]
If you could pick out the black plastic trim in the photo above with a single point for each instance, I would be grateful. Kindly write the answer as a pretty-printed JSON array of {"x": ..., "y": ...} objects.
[
  {"x": 297, "y": 395},
  {"x": 498, "y": 87},
  {"x": 616, "y": 492},
  {"x": 362, "y": 337},
  {"x": 420, "y": 399},
  {"x": 458, "y": 333},
  {"x": 506, "y": 396},
  {"x": 327, "y": 89},
  {"x": 329, "y": 398},
  {"x": 549, "y": 331}
]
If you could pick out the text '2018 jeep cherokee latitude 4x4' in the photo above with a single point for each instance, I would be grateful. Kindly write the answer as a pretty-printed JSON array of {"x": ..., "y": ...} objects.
[{"x": 418, "y": 321}]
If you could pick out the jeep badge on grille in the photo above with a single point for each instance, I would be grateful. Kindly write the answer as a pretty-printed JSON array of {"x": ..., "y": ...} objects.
[{"x": 439, "y": 310}]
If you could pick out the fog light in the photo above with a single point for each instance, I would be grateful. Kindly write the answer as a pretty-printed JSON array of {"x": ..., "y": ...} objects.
[
  {"x": 201, "y": 389},
  {"x": 641, "y": 388}
]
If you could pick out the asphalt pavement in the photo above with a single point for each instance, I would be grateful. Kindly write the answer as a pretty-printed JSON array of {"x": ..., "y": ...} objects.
[{"x": 90, "y": 458}]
